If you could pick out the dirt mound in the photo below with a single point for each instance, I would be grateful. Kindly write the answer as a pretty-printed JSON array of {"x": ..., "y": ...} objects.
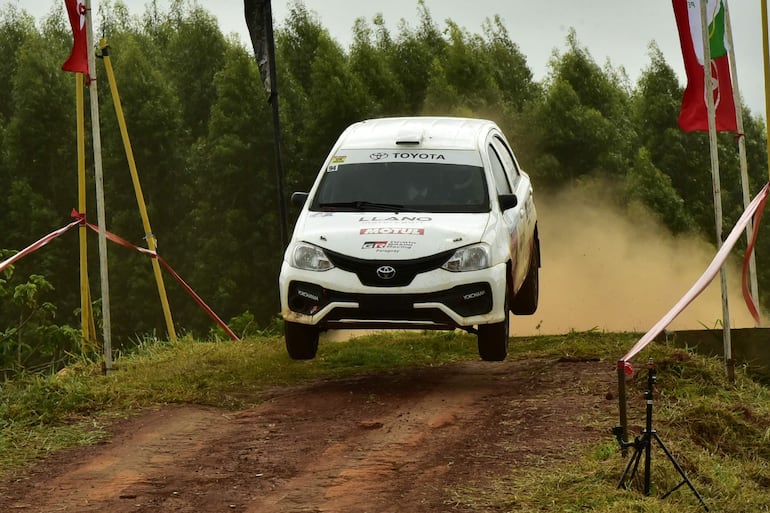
[{"x": 371, "y": 443}]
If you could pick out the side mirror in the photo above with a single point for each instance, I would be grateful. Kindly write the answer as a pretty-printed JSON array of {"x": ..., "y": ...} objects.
[
  {"x": 299, "y": 198},
  {"x": 507, "y": 201}
]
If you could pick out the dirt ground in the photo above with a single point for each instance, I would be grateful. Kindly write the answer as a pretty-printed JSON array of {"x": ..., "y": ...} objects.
[{"x": 387, "y": 442}]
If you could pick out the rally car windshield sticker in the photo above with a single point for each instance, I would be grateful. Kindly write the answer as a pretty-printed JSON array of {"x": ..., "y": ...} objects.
[{"x": 436, "y": 156}]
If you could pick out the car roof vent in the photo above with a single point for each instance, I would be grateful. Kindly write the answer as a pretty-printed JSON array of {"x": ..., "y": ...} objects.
[{"x": 409, "y": 135}]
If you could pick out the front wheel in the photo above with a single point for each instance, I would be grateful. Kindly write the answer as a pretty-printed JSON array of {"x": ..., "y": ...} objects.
[
  {"x": 493, "y": 338},
  {"x": 301, "y": 340}
]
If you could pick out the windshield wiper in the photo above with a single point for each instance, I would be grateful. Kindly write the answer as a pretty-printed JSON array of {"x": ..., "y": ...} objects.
[{"x": 364, "y": 205}]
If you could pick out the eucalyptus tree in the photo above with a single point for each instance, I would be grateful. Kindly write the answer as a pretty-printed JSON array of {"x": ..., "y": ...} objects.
[
  {"x": 38, "y": 163},
  {"x": 16, "y": 27},
  {"x": 508, "y": 65},
  {"x": 193, "y": 47},
  {"x": 324, "y": 94},
  {"x": 411, "y": 56},
  {"x": 583, "y": 122},
  {"x": 233, "y": 236},
  {"x": 463, "y": 76},
  {"x": 39, "y": 151},
  {"x": 385, "y": 91}
]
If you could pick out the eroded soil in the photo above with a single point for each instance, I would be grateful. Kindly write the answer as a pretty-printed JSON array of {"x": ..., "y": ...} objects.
[{"x": 388, "y": 442}]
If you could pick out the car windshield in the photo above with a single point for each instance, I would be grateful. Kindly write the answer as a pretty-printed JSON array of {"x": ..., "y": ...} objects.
[{"x": 402, "y": 186}]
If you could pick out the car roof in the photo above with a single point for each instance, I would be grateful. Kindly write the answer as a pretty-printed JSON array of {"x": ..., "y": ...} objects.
[{"x": 416, "y": 132}]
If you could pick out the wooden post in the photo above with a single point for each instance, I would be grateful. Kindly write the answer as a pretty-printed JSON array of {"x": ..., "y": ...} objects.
[{"x": 148, "y": 235}]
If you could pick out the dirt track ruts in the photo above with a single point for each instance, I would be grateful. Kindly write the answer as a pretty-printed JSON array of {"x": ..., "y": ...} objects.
[{"x": 386, "y": 442}]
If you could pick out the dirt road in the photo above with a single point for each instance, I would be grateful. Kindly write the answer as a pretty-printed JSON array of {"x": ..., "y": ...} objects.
[{"x": 389, "y": 442}]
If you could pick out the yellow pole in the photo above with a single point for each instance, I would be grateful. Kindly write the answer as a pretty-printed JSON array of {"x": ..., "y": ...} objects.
[
  {"x": 151, "y": 243},
  {"x": 766, "y": 59},
  {"x": 85, "y": 294}
]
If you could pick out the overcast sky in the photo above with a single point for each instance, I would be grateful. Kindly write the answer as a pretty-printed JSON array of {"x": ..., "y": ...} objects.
[{"x": 618, "y": 31}]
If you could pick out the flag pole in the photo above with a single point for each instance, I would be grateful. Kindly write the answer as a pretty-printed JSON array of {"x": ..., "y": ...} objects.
[
  {"x": 99, "y": 178},
  {"x": 742, "y": 154},
  {"x": 259, "y": 20},
  {"x": 276, "y": 127},
  {"x": 766, "y": 59},
  {"x": 711, "y": 109}
]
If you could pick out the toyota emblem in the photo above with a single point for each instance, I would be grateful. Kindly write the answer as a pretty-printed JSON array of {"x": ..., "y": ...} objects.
[
  {"x": 378, "y": 156},
  {"x": 386, "y": 272}
]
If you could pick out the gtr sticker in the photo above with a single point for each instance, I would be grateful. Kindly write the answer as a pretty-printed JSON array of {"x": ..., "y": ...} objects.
[
  {"x": 388, "y": 246},
  {"x": 392, "y": 231}
]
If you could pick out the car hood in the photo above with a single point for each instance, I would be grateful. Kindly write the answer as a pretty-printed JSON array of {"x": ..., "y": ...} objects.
[{"x": 375, "y": 236}]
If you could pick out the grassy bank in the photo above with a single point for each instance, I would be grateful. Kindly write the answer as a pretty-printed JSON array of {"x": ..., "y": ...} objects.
[{"x": 720, "y": 433}]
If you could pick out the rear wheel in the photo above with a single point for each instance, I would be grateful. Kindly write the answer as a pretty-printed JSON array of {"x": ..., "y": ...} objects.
[
  {"x": 301, "y": 340},
  {"x": 525, "y": 301},
  {"x": 493, "y": 338}
]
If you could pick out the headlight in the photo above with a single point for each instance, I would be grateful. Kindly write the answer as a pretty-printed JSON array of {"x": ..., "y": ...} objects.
[
  {"x": 469, "y": 258},
  {"x": 310, "y": 258}
]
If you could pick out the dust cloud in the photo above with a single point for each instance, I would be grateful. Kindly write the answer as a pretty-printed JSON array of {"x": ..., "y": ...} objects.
[{"x": 618, "y": 269}]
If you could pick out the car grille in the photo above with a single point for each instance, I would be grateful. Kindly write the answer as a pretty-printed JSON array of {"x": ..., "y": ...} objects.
[
  {"x": 388, "y": 273},
  {"x": 467, "y": 300}
]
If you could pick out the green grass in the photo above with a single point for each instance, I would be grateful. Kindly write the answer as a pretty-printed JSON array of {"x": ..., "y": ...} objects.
[{"x": 719, "y": 432}]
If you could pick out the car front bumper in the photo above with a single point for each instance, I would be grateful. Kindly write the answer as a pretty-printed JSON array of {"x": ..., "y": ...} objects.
[{"x": 437, "y": 299}]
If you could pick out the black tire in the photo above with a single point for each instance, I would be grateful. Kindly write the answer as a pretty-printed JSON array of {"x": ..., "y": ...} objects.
[
  {"x": 301, "y": 340},
  {"x": 526, "y": 299},
  {"x": 493, "y": 338}
]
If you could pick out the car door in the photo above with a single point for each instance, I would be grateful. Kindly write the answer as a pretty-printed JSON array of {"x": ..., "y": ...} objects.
[{"x": 521, "y": 217}]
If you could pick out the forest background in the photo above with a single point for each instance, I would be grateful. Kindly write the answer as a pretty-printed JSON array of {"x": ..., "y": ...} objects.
[{"x": 201, "y": 131}]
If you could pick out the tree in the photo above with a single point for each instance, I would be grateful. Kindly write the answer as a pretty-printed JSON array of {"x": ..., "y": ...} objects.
[
  {"x": 39, "y": 163},
  {"x": 467, "y": 70},
  {"x": 379, "y": 80},
  {"x": 652, "y": 188},
  {"x": 234, "y": 223},
  {"x": 193, "y": 53},
  {"x": 508, "y": 66},
  {"x": 582, "y": 122},
  {"x": 411, "y": 57}
]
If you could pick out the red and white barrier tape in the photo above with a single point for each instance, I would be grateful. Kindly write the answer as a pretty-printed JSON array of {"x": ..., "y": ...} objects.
[
  {"x": 81, "y": 219},
  {"x": 711, "y": 271}
]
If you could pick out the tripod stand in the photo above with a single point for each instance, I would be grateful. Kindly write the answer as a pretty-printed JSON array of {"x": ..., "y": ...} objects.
[{"x": 643, "y": 444}]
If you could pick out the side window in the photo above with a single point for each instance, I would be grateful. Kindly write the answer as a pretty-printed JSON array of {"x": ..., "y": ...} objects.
[
  {"x": 506, "y": 156},
  {"x": 498, "y": 171}
]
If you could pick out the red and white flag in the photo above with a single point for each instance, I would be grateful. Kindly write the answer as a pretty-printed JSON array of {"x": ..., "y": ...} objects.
[
  {"x": 694, "y": 113},
  {"x": 78, "y": 60}
]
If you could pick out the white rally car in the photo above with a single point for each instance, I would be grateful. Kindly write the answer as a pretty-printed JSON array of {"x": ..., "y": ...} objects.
[{"x": 417, "y": 223}]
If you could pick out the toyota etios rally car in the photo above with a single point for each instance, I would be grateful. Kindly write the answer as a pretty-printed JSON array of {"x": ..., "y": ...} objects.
[{"x": 425, "y": 223}]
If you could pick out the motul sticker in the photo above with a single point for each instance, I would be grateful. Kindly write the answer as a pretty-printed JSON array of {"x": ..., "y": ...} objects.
[{"x": 392, "y": 231}]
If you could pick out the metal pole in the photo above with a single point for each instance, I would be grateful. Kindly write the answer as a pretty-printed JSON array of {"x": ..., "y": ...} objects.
[
  {"x": 742, "y": 154},
  {"x": 648, "y": 395},
  {"x": 622, "y": 405},
  {"x": 707, "y": 87},
  {"x": 99, "y": 178},
  {"x": 766, "y": 62}
]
